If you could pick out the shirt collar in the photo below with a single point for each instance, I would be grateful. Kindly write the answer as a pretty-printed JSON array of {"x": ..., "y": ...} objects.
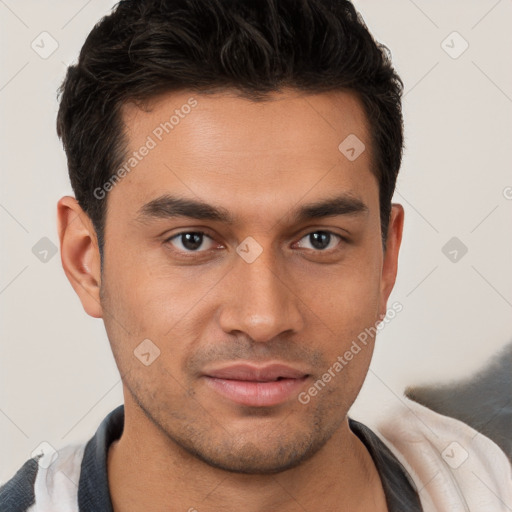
[{"x": 94, "y": 493}]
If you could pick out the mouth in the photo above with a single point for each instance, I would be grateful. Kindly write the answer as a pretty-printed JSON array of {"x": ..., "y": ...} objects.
[{"x": 254, "y": 386}]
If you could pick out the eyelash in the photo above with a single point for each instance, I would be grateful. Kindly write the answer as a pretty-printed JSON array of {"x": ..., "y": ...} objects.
[{"x": 195, "y": 253}]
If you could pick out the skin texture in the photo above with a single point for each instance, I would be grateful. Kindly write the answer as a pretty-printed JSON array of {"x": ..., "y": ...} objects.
[{"x": 184, "y": 446}]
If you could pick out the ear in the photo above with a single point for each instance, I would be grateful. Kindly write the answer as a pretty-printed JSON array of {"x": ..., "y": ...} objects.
[
  {"x": 390, "y": 263},
  {"x": 80, "y": 254}
]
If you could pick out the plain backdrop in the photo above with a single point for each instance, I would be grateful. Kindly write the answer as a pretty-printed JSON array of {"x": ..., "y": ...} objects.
[{"x": 58, "y": 379}]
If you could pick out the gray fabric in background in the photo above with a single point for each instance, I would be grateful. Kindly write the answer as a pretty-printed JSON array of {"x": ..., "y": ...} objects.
[{"x": 483, "y": 401}]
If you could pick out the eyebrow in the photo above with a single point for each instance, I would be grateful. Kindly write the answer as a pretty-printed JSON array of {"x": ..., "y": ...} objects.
[{"x": 168, "y": 206}]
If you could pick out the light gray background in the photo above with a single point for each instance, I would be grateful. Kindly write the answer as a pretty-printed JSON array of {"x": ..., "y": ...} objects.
[{"x": 57, "y": 375}]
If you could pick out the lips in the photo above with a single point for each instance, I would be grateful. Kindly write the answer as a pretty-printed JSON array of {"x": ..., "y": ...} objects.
[
  {"x": 255, "y": 386},
  {"x": 267, "y": 373}
]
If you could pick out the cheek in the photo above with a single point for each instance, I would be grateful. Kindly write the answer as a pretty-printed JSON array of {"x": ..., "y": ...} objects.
[
  {"x": 159, "y": 302},
  {"x": 347, "y": 303},
  {"x": 345, "y": 296}
]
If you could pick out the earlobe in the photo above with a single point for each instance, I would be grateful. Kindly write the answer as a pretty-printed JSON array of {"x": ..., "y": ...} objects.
[
  {"x": 390, "y": 263},
  {"x": 80, "y": 254}
]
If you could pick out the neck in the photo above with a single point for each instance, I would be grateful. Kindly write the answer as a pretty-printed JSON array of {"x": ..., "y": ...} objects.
[{"x": 148, "y": 471}]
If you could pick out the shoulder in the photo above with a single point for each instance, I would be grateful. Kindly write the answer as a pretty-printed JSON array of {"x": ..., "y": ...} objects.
[
  {"x": 46, "y": 479},
  {"x": 17, "y": 494},
  {"x": 453, "y": 466},
  {"x": 70, "y": 479}
]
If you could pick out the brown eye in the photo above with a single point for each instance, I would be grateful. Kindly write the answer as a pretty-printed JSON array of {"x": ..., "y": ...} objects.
[
  {"x": 320, "y": 240},
  {"x": 189, "y": 241}
]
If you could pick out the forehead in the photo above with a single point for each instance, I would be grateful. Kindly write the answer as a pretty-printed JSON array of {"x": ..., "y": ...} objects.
[
  {"x": 226, "y": 119},
  {"x": 243, "y": 154}
]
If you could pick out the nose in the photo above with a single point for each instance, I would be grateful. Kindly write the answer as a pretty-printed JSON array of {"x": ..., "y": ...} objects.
[{"x": 259, "y": 300}]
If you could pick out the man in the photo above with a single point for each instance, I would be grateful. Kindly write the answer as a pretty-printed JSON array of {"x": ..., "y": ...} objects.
[{"x": 233, "y": 164}]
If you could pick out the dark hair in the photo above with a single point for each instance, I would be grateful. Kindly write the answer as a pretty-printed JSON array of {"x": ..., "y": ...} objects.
[{"x": 148, "y": 47}]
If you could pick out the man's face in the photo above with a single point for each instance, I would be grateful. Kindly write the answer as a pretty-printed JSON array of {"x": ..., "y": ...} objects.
[{"x": 264, "y": 285}]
